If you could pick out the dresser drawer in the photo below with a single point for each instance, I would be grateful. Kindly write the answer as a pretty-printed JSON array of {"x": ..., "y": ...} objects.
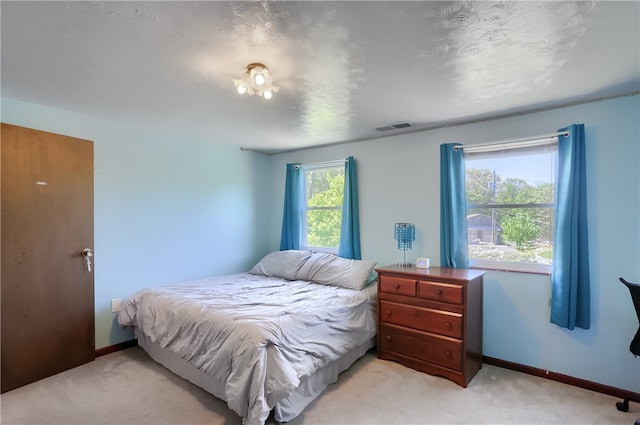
[
  {"x": 398, "y": 285},
  {"x": 439, "y": 291},
  {"x": 424, "y": 319},
  {"x": 443, "y": 351}
]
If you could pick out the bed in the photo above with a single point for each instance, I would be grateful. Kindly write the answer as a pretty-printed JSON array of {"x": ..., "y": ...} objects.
[{"x": 270, "y": 340}]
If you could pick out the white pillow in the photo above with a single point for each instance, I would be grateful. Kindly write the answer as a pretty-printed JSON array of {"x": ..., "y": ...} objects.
[
  {"x": 285, "y": 264},
  {"x": 329, "y": 269}
]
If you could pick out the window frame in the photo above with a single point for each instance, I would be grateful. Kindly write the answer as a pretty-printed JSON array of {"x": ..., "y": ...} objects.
[
  {"x": 337, "y": 164},
  {"x": 512, "y": 266}
]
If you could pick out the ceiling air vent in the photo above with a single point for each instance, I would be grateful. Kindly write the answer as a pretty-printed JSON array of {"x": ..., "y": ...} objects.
[
  {"x": 385, "y": 128},
  {"x": 397, "y": 126}
]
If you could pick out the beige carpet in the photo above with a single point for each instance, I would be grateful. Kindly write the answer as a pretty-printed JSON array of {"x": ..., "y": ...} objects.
[{"x": 128, "y": 387}]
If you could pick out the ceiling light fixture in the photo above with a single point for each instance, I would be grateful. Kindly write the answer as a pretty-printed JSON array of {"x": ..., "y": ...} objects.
[{"x": 256, "y": 80}]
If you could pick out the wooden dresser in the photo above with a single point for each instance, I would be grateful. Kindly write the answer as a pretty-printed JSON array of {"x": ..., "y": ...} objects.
[{"x": 431, "y": 320}]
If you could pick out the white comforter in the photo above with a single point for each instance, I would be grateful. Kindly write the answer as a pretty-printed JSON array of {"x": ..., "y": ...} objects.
[{"x": 258, "y": 334}]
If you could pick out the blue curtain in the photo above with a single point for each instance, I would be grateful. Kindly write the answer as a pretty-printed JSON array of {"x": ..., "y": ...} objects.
[
  {"x": 292, "y": 217},
  {"x": 570, "y": 293},
  {"x": 350, "y": 228},
  {"x": 453, "y": 208}
]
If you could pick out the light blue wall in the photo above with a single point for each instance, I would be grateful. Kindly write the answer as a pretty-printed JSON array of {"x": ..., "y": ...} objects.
[
  {"x": 167, "y": 207},
  {"x": 399, "y": 181},
  {"x": 170, "y": 208}
]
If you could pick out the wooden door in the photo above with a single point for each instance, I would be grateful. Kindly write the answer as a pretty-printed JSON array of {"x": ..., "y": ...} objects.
[{"x": 46, "y": 287}]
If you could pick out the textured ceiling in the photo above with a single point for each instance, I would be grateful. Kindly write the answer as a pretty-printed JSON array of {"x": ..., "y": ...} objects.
[{"x": 344, "y": 68}]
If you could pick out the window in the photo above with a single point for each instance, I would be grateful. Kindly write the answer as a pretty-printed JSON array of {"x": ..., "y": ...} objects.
[
  {"x": 510, "y": 208},
  {"x": 322, "y": 215}
]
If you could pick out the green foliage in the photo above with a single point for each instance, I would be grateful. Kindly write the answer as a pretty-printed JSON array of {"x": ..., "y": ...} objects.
[
  {"x": 547, "y": 254},
  {"x": 520, "y": 230},
  {"x": 324, "y": 228},
  {"x": 513, "y": 191},
  {"x": 534, "y": 222},
  {"x": 480, "y": 186},
  {"x": 325, "y": 192}
]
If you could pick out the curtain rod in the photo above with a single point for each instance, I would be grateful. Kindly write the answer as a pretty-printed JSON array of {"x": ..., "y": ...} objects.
[
  {"x": 513, "y": 143},
  {"x": 320, "y": 164}
]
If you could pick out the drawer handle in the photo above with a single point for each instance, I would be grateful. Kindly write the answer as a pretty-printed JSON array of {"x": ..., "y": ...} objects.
[
  {"x": 388, "y": 338},
  {"x": 439, "y": 292},
  {"x": 388, "y": 312},
  {"x": 448, "y": 354},
  {"x": 396, "y": 286},
  {"x": 448, "y": 325}
]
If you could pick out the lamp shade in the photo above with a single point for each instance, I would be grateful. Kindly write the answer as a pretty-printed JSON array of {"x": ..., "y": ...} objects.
[{"x": 405, "y": 234}]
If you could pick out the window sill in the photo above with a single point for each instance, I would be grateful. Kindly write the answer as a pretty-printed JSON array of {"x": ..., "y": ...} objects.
[
  {"x": 333, "y": 251},
  {"x": 501, "y": 266}
]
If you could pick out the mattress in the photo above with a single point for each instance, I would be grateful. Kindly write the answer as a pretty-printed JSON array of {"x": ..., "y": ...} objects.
[{"x": 259, "y": 343}]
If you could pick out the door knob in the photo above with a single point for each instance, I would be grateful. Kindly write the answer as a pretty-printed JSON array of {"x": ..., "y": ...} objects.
[{"x": 87, "y": 253}]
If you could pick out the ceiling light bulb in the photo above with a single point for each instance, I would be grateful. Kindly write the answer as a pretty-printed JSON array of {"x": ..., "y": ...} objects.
[{"x": 256, "y": 80}]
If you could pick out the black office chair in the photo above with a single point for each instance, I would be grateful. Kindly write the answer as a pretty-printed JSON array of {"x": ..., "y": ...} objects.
[{"x": 634, "y": 289}]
